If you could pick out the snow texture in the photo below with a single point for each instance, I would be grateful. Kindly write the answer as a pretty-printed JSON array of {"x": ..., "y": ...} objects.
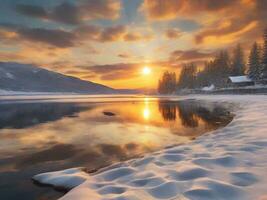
[{"x": 229, "y": 164}]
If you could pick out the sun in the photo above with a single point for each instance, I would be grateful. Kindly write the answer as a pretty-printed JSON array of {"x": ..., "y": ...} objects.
[{"x": 146, "y": 70}]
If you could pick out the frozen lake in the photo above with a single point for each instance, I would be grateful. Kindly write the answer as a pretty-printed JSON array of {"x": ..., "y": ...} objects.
[{"x": 48, "y": 133}]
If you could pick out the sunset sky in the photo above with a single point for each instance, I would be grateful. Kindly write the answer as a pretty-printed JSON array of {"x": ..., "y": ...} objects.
[{"x": 112, "y": 41}]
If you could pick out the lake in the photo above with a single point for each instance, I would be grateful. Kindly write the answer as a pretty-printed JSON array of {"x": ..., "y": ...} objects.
[{"x": 49, "y": 133}]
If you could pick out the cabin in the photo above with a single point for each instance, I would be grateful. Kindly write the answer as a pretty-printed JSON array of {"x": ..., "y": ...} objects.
[{"x": 240, "y": 81}]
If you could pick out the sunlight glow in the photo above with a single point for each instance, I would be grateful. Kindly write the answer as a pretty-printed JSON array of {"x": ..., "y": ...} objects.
[
  {"x": 146, "y": 70},
  {"x": 146, "y": 113},
  {"x": 146, "y": 100}
]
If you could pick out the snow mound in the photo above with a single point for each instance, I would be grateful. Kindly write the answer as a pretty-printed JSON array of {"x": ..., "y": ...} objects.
[
  {"x": 65, "y": 179},
  {"x": 229, "y": 164},
  {"x": 208, "y": 88}
]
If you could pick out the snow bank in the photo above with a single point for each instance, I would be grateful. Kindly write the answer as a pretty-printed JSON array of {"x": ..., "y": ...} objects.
[
  {"x": 65, "y": 179},
  {"x": 229, "y": 164}
]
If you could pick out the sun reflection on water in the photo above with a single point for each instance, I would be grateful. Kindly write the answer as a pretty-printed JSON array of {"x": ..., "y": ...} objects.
[
  {"x": 146, "y": 100},
  {"x": 146, "y": 113}
]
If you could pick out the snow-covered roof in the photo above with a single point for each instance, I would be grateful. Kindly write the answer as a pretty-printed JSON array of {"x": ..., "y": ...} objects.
[{"x": 239, "y": 79}]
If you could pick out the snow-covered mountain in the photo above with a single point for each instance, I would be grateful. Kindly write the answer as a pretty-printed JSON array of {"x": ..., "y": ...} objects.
[{"x": 29, "y": 78}]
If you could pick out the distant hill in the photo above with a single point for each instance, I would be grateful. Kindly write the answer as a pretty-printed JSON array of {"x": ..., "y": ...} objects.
[{"x": 29, "y": 78}]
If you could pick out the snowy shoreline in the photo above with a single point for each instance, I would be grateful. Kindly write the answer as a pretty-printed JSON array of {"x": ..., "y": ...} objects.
[{"x": 231, "y": 163}]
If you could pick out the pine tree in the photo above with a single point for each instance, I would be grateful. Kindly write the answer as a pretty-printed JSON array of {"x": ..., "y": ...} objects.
[
  {"x": 264, "y": 57},
  {"x": 222, "y": 63},
  {"x": 238, "y": 63},
  {"x": 254, "y": 64},
  {"x": 182, "y": 78},
  {"x": 167, "y": 84},
  {"x": 221, "y": 69},
  {"x": 188, "y": 76},
  {"x": 192, "y": 72}
]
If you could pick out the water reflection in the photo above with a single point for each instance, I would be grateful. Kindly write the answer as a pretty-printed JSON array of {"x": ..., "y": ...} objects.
[
  {"x": 191, "y": 113},
  {"x": 26, "y": 115},
  {"x": 39, "y": 137},
  {"x": 168, "y": 110}
]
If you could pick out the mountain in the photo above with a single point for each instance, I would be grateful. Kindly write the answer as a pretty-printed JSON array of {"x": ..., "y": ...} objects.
[{"x": 29, "y": 78}]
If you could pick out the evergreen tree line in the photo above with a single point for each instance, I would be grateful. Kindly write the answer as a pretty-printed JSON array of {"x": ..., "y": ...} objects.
[{"x": 218, "y": 70}]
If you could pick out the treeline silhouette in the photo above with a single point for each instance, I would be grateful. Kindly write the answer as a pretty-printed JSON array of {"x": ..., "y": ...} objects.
[{"x": 217, "y": 71}]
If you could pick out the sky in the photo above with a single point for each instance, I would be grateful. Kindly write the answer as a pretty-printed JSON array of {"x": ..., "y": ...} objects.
[{"x": 111, "y": 41}]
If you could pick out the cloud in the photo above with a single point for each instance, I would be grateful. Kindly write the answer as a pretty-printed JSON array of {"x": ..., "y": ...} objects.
[
  {"x": 113, "y": 33},
  {"x": 32, "y": 10},
  {"x": 57, "y": 37},
  {"x": 225, "y": 35},
  {"x": 122, "y": 33},
  {"x": 7, "y": 36},
  {"x": 107, "y": 73},
  {"x": 7, "y": 56},
  {"x": 136, "y": 36},
  {"x": 67, "y": 39},
  {"x": 66, "y": 13},
  {"x": 189, "y": 55},
  {"x": 53, "y": 37},
  {"x": 40, "y": 55},
  {"x": 88, "y": 76},
  {"x": 90, "y": 32},
  {"x": 173, "y": 33},
  {"x": 240, "y": 23},
  {"x": 73, "y": 14},
  {"x": 120, "y": 71},
  {"x": 124, "y": 55},
  {"x": 113, "y": 71},
  {"x": 100, "y": 9},
  {"x": 222, "y": 22},
  {"x": 167, "y": 10}
]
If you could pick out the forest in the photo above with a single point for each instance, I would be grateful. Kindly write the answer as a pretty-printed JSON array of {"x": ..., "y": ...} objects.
[{"x": 218, "y": 70}]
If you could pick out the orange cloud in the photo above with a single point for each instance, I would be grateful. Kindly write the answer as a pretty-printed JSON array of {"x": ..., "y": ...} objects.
[
  {"x": 222, "y": 22},
  {"x": 189, "y": 55},
  {"x": 224, "y": 36},
  {"x": 8, "y": 35},
  {"x": 101, "y": 9},
  {"x": 166, "y": 10},
  {"x": 114, "y": 33},
  {"x": 40, "y": 55},
  {"x": 136, "y": 36},
  {"x": 173, "y": 33},
  {"x": 239, "y": 24},
  {"x": 7, "y": 56}
]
